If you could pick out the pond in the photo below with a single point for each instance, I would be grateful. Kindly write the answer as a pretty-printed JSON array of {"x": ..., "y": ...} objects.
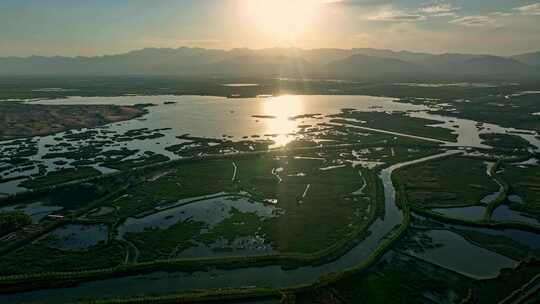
[
  {"x": 468, "y": 213},
  {"x": 77, "y": 237},
  {"x": 210, "y": 211},
  {"x": 452, "y": 251},
  {"x": 36, "y": 210},
  {"x": 504, "y": 213}
]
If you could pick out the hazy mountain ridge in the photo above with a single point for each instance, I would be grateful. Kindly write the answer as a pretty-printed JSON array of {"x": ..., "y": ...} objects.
[
  {"x": 285, "y": 62},
  {"x": 370, "y": 66},
  {"x": 532, "y": 59}
]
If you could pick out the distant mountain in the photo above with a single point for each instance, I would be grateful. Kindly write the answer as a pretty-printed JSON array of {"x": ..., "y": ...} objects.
[
  {"x": 279, "y": 62},
  {"x": 146, "y": 61},
  {"x": 532, "y": 59},
  {"x": 257, "y": 65},
  {"x": 401, "y": 55},
  {"x": 493, "y": 65},
  {"x": 362, "y": 66},
  {"x": 446, "y": 62},
  {"x": 476, "y": 65}
]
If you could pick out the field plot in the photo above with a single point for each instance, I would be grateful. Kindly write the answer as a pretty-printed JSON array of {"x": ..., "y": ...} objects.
[{"x": 455, "y": 181}]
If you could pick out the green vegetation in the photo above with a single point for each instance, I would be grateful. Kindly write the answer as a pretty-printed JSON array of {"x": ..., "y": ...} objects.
[
  {"x": 308, "y": 196},
  {"x": 497, "y": 105},
  {"x": 157, "y": 244},
  {"x": 399, "y": 279},
  {"x": 396, "y": 122},
  {"x": 511, "y": 283},
  {"x": 456, "y": 181},
  {"x": 38, "y": 258},
  {"x": 149, "y": 158},
  {"x": 160, "y": 244},
  {"x": 499, "y": 244},
  {"x": 203, "y": 146},
  {"x": 59, "y": 177},
  {"x": 225, "y": 296},
  {"x": 505, "y": 141},
  {"x": 311, "y": 198},
  {"x": 525, "y": 182},
  {"x": 163, "y": 186},
  {"x": 239, "y": 224},
  {"x": 10, "y": 221}
]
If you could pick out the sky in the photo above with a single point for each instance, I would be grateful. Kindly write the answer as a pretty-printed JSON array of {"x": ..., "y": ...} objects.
[{"x": 98, "y": 27}]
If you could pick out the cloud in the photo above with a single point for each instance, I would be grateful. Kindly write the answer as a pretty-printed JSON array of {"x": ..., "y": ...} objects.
[
  {"x": 530, "y": 10},
  {"x": 389, "y": 13},
  {"x": 440, "y": 10},
  {"x": 501, "y": 14},
  {"x": 474, "y": 21}
]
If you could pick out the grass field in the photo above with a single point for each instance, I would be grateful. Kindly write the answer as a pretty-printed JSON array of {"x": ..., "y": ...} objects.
[
  {"x": 38, "y": 257},
  {"x": 453, "y": 181},
  {"x": 59, "y": 177}
]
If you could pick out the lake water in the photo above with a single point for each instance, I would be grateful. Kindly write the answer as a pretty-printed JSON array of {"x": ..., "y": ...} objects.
[
  {"x": 36, "y": 210},
  {"x": 216, "y": 116},
  {"x": 472, "y": 213},
  {"x": 276, "y": 118},
  {"x": 504, "y": 213},
  {"x": 459, "y": 255}
]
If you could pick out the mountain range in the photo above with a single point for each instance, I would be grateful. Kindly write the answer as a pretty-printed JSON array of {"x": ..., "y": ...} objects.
[{"x": 280, "y": 62}]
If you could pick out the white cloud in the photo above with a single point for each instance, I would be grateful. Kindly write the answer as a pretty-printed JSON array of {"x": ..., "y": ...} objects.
[
  {"x": 475, "y": 21},
  {"x": 440, "y": 10},
  {"x": 531, "y": 10},
  {"x": 389, "y": 13},
  {"x": 501, "y": 14}
]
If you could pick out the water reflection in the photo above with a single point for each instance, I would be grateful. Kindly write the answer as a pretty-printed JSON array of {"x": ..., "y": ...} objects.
[{"x": 281, "y": 109}]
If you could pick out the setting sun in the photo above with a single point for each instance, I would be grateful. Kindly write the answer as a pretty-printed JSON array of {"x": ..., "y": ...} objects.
[{"x": 283, "y": 20}]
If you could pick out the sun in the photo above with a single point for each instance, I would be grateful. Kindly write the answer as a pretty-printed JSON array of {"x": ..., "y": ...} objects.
[{"x": 283, "y": 20}]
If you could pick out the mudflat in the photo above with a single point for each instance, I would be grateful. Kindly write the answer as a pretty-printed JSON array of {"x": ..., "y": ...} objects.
[{"x": 24, "y": 120}]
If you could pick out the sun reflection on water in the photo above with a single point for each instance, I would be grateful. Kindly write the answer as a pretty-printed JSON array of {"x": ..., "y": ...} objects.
[{"x": 282, "y": 109}]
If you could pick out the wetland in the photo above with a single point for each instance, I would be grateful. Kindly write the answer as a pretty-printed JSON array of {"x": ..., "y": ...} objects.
[{"x": 287, "y": 198}]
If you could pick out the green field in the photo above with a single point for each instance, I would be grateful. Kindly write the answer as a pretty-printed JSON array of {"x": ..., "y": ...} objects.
[{"x": 455, "y": 181}]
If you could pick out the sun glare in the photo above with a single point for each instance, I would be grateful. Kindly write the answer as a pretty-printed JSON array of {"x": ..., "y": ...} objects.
[
  {"x": 283, "y": 20},
  {"x": 282, "y": 109}
]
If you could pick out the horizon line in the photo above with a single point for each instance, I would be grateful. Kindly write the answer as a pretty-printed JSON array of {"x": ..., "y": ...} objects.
[{"x": 264, "y": 49}]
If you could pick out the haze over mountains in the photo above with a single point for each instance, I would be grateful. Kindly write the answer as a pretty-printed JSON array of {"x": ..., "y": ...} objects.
[{"x": 318, "y": 63}]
